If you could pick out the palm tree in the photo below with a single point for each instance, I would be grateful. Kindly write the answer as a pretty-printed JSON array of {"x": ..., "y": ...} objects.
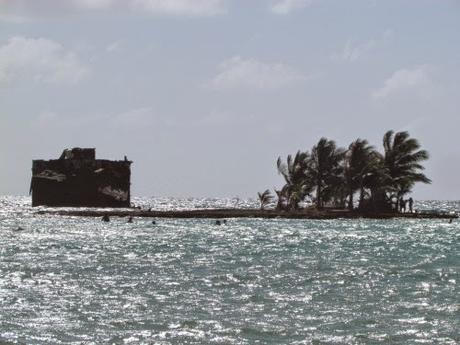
[
  {"x": 297, "y": 185},
  {"x": 265, "y": 198},
  {"x": 360, "y": 162},
  {"x": 375, "y": 183},
  {"x": 324, "y": 168},
  {"x": 402, "y": 159},
  {"x": 336, "y": 191},
  {"x": 280, "y": 204}
]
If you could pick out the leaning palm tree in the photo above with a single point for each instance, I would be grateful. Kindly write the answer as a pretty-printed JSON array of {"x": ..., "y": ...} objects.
[
  {"x": 324, "y": 167},
  {"x": 297, "y": 186},
  {"x": 402, "y": 159},
  {"x": 293, "y": 170},
  {"x": 360, "y": 161},
  {"x": 265, "y": 198}
]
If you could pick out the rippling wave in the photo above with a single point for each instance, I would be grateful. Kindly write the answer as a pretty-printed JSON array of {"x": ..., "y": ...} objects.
[{"x": 70, "y": 280}]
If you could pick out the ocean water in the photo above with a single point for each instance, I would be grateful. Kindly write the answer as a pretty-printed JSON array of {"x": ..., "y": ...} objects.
[{"x": 70, "y": 280}]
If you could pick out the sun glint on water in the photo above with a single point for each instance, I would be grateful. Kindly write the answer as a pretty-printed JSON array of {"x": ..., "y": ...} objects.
[{"x": 69, "y": 280}]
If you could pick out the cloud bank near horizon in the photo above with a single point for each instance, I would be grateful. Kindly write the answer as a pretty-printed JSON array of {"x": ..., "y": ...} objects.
[
  {"x": 191, "y": 8},
  {"x": 168, "y": 7}
]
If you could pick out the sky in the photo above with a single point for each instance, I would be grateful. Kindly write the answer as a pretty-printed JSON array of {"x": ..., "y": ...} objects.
[{"x": 205, "y": 95}]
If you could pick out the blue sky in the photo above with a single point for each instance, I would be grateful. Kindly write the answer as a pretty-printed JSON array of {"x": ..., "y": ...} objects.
[{"x": 204, "y": 95}]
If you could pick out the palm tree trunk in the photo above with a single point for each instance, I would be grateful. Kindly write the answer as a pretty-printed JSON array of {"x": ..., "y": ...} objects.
[
  {"x": 350, "y": 200},
  {"x": 279, "y": 205},
  {"x": 319, "y": 201},
  {"x": 361, "y": 196}
]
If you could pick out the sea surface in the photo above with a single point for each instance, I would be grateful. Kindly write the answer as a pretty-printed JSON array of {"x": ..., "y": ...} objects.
[{"x": 70, "y": 280}]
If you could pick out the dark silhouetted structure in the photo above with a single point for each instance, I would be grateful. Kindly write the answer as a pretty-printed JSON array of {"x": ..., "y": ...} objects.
[{"x": 78, "y": 179}]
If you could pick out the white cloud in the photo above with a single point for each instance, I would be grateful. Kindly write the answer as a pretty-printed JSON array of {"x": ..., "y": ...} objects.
[
  {"x": 415, "y": 79},
  {"x": 353, "y": 52},
  {"x": 237, "y": 72},
  {"x": 186, "y": 7},
  {"x": 93, "y": 4},
  {"x": 169, "y": 7},
  {"x": 41, "y": 59},
  {"x": 287, "y": 6},
  {"x": 53, "y": 4},
  {"x": 113, "y": 47}
]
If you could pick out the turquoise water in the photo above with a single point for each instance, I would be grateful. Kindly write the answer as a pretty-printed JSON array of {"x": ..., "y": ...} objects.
[{"x": 69, "y": 280}]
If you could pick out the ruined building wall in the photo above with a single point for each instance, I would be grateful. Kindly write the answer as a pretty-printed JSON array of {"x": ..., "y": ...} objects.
[{"x": 79, "y": 180}]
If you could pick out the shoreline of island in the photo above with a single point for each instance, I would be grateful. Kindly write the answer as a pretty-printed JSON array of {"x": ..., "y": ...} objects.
[{"x": 251, "y": 213}]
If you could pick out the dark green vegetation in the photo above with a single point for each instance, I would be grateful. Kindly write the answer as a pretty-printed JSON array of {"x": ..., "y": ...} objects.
[{"x": 332, "y": 176}]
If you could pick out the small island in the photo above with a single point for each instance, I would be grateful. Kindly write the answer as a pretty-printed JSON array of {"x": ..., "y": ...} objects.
[
  {"x": 327, "y": 182},
  {"x": 331, "y": 176}
]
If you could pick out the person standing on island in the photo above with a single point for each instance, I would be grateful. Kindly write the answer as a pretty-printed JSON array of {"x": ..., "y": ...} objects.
[
  {"x": 402, "y": 205},
  {"x": 411, "y": 205}
]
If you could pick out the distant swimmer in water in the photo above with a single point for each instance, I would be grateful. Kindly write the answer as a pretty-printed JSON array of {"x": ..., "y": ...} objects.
[
  {"x": 154, "y": 222},
  {"x": 218, "y": 222},
  {"x": 18, "y": 229},
  {"x": 106, "y": 218},
  {"x": 130, "y": 219},
  {"x": 450, "y": 221}
]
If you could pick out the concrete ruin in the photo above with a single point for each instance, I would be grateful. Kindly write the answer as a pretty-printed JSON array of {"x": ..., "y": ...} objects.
[{"x": 78, "y": 179}]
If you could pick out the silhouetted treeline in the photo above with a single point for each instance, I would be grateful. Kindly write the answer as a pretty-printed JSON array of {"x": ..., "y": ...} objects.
[{"x": 358, "y": 176}]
